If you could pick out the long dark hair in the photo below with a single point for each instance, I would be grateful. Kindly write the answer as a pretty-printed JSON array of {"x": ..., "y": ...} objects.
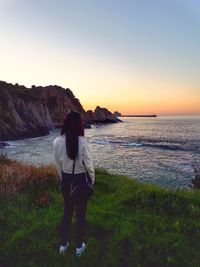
[{"x": 72, "y": 128}]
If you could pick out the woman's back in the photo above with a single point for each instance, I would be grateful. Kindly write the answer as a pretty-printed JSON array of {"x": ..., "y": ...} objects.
[{"x": 64, "y": 163}]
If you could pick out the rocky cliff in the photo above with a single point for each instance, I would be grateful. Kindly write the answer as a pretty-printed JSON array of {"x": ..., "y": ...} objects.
[{"x": 31, "y": 112}]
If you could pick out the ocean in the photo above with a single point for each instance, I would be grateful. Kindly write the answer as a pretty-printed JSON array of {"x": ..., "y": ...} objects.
[{"x": 161, "y": 150}]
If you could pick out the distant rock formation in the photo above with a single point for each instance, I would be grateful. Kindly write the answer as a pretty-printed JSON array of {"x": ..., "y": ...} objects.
[
  {"x": 117, "y": 114},
  {"x": 100, "y": 115},
  {"x": 32, "y": 112}
]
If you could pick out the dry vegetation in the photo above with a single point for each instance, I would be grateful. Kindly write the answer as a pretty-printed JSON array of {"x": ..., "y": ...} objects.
[{"x": 16, "y": 177}]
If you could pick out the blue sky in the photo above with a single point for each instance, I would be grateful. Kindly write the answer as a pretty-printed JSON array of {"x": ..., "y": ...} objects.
[{"x": 136, "y": 56}]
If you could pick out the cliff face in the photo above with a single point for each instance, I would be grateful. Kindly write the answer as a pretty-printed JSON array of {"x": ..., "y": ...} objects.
[{"x": 31, "y": 112}]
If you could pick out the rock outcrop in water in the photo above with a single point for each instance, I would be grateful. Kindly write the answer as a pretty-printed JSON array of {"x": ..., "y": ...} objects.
[
  {"x": 31, "y": 112},
  {"x": 100, "y": 115},
  {"x": 117, "y": 114}
]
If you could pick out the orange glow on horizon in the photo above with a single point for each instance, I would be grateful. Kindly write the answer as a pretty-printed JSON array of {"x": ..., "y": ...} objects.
[
  {"x": 183, "y": 107},
  {"x": 100, "y": 82},
  {"x": 141, "y": 111}
]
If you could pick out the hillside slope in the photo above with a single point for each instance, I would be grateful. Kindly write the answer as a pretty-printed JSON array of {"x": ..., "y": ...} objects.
[{"x": 128, "y": 223}]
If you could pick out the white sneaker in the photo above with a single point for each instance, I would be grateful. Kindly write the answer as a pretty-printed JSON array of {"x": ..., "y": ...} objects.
[
  {"x": 80, "y": 250},
  {"x": 63, "y": 249}
]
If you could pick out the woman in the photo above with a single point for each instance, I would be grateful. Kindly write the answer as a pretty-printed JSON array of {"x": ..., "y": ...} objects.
[{"x": 73, "y": 160}]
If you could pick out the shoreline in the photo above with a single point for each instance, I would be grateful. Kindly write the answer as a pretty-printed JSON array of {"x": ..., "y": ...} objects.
[{"x": 4, "y": 143}]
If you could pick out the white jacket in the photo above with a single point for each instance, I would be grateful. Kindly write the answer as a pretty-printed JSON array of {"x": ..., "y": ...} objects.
[{"x": 65, "y": 164}]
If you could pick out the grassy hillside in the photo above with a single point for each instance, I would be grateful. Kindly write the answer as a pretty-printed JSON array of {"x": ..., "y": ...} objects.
[{"x": 128, "y": 223}]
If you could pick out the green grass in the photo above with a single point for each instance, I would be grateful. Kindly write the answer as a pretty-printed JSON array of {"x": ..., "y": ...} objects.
[{"x": 128, "y": 224}]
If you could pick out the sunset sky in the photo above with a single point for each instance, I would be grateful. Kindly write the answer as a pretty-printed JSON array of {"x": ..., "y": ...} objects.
[{"x": 134, "y": 56}]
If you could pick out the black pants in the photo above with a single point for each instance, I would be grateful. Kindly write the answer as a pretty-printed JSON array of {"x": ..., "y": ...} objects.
[{"x": 80, "y": 206}]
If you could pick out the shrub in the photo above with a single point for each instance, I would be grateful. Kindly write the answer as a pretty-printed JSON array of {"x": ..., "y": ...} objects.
[
  {"x": 196, "y": 180},
  {"x": 18, "y": 177}
]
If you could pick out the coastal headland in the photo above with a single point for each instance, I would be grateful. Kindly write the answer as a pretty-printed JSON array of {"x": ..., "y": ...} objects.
[{"x": 33, "y": 112}]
